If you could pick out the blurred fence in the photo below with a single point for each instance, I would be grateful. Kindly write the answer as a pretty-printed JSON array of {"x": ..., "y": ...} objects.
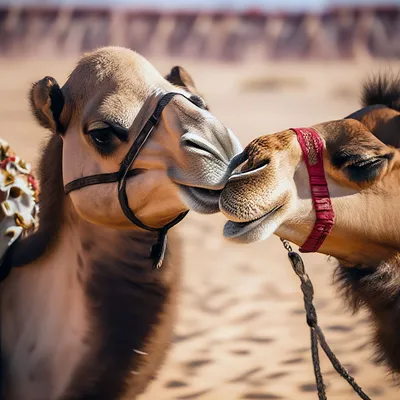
[{"x": 336, "y": 33}]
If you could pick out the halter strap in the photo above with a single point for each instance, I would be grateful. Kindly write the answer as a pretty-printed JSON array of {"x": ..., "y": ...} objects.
[
  {"x": 125, "y": 172},
  {"x": 312, "y": 147},
  {"x": 130, "y": 157},
  {"x": 99, "y": 178}
]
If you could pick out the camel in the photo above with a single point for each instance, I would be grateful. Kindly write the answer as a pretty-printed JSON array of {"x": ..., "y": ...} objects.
[
  {"x": 269, "y": 193},
  {"x": 83, "y": 313}
]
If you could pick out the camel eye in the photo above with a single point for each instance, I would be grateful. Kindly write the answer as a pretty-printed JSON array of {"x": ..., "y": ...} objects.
[
  {"x": 101, "y": 136},
  {"x": 367, "y": 170},
  {"x": 105, "y": 137}
]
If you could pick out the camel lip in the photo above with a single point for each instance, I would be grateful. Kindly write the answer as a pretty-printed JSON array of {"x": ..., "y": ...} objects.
[
  {"x": 235, "y": 229},
  {"x": 212, "y": 193},
  {"x": 204, "y": 201}
]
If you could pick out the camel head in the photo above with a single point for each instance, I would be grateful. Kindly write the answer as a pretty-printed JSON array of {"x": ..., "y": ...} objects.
[
  {"x": 269, "y": 190},
  {"x": 100, "y": 111}
]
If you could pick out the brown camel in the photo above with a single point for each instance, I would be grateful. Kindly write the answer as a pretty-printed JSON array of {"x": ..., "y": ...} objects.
[
  {"x": 269, "y": 192},
  {"x": 86, "y": 316}
]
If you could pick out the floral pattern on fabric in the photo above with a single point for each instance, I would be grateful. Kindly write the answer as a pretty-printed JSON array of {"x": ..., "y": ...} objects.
[{"x": 18, "y": 198}]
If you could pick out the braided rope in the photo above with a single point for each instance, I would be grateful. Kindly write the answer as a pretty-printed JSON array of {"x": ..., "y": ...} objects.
[{"x": 317, "y": 336}]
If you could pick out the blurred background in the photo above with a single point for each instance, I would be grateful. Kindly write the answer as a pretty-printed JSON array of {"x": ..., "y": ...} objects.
[
  {"x": 228, "y": 30},
  {"x": 262, "y": 66}
]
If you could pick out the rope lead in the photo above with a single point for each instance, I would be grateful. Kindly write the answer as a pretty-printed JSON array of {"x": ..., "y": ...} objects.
[{"x": 317, "y": 336}]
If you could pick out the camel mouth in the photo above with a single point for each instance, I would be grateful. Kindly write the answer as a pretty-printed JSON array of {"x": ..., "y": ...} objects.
[
  {"x": 203, "y": 201},
  {"x": 253, "y": 230}
]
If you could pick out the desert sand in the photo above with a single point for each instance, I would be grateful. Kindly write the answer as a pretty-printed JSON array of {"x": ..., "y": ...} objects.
[{"x": 241, "y": 332}]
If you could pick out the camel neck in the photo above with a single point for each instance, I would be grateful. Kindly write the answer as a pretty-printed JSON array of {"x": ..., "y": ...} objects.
[
  {"x": 85, "y": 303},
  {"x": 126, "y": 299},
  {"x": 107, "y": 246},
  {"x": 119, "y": 312}
]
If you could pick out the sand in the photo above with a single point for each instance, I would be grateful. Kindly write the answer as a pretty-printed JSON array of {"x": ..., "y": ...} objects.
[{"x": 241, "y": 332}]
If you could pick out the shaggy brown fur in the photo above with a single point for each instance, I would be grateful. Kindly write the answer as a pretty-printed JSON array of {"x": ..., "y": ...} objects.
[
  {"x": 382, "y": 89},
  {"x": 380, "y": 98},
  {"x": 377, "y": 288}
]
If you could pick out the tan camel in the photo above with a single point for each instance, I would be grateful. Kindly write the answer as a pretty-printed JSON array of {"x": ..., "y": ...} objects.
[
  {"x": 86, "y": 317},
  {"x": 270, "y": 193}
]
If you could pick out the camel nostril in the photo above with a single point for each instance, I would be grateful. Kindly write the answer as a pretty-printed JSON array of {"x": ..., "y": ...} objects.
[
  {"x": 255, "y": 166},
  {"x": 195, "y": 143},
  {"x": 244, "y": 166}
]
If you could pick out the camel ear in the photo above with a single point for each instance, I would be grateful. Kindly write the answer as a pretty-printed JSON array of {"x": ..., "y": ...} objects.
[
  {"x": 47, "y": 102},
  {"x": 181, "y": 78}
]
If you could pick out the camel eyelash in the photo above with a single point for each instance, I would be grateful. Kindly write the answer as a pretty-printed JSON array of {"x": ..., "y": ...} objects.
[
  {"x": 368, "y": 169},
  {"x": 104, "y": 136},
  {"x": 121, "y": 133},
  {"x": 345, "y": 159}
]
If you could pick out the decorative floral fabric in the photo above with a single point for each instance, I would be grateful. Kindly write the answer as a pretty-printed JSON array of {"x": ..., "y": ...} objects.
[{"x": 18, "y": 198}]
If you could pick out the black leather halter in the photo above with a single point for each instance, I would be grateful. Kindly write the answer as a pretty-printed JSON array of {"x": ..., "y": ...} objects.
[{"x": 158, "y": 250}]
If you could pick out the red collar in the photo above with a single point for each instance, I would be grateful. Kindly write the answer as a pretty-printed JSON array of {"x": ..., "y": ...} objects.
[{"x": 312, "y": 146}]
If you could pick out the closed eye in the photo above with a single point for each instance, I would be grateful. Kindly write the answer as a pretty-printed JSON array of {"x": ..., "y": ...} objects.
[
  {"x": 368, "y": 169},
  {"x": 370, "y": 163}
]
